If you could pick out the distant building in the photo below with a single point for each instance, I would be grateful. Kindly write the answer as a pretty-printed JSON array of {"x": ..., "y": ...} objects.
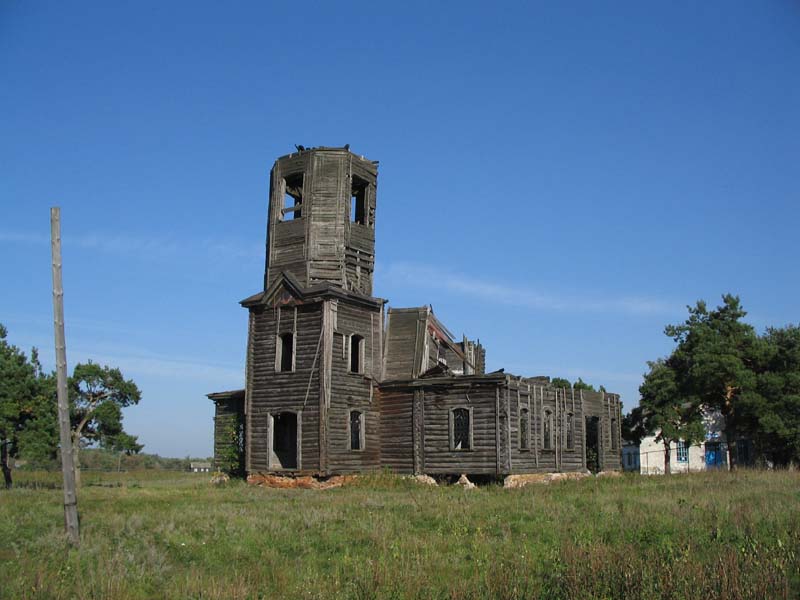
[
  {"x": 200, "y": 467},
  {"x": 712, "y": 453},
  {"x": 630, "y": 457}
]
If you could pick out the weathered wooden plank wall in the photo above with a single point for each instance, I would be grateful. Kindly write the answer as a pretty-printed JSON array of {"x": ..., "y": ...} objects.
[
  {"x": 228, "y": 419},
  {"x": 402, "y": 332},
  {"x": 396, "y": 429},
  {"x": 438, "y": 401},
  {"x": 354, "y": 391},
  {"x": 273, "y": 392}
]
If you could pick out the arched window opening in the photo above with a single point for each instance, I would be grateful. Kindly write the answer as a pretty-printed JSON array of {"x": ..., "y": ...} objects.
[
  {"x": 356, "y": 430},
  {"x": 461, "y": 429},
  {"x": 524, "y": 429},
  {"x": 570, "y": 434},
  {"x": 547, "y": 434}
]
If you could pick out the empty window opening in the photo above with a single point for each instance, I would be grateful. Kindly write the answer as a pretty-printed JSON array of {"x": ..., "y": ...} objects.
[
  {"x": 570, "y": 433},
  {"x": 523, "y": 429},
  {"x": 441, "y": 353},
  {"x": 547, "y": 433},
  {"x": 593, "y": 462},
  {"x": 286, "y": 352},
  {"x": 356, "y": 353},
  {"x": 461, "y": 429},
  {"x": 358, "y": 201},
  {"x": 683, "y": 452},
  {"x": 356, "y": 430},
  {"x": 292, "y": 197}
]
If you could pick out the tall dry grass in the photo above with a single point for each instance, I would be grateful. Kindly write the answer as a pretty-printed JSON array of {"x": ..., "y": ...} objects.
[{"x": 711, "y": 535}]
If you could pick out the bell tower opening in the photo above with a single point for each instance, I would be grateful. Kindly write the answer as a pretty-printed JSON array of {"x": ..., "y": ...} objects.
[{"x": 358, "y": 201}]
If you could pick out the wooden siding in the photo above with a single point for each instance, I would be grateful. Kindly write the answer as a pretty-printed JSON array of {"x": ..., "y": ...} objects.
[
  {"x": 273, "y": 392},
  {"x": 354, "y": 391},
  {"x": 323, "y": 244},
  {"x": 396, "y": 424},
  {"x": 538, "y": 398},
  {"x": 404, "y": 331},
  {"x": 228, "y": 418},
  {"x": 608, "y": 408},
  {"x": 481, "y": 458},
  {"x": 406, "y": 403}
]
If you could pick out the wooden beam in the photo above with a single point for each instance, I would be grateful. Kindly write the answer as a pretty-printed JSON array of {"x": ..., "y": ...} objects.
[{"x": 65, "y": 431}]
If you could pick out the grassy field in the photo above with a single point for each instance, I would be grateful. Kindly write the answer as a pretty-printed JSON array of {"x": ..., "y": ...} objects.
[{"x": 166, "y": 535}]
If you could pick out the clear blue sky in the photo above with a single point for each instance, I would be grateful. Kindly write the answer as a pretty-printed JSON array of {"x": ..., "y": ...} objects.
[{"x": 557, "y": 179}]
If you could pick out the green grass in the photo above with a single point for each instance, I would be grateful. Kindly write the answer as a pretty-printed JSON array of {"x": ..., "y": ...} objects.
[{"x": 167, "y": 535}]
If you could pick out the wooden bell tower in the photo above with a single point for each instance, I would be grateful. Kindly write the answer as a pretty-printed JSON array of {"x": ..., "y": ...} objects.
[{"x": 321, "y": 224}]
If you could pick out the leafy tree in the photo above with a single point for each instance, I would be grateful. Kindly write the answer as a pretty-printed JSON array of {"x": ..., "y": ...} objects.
[
  {"x": 714, "y": 362},
  {"x": 26, "y": 415},
  {"x": 582, "y": 385},
  {"x": 634, "y": 428},
  {"x": 770, "y": 415},
  {"x": 664, "y": 411},
  {"x": 97, "y": 397}
]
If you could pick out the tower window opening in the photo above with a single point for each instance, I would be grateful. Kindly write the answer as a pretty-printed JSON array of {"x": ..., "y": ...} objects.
[
  {"x": 358, "y": 201},
  {"x": 292, "y": 197}
]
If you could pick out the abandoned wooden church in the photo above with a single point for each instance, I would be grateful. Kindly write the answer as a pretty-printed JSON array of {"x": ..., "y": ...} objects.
[{"x": 336, "y": 383}]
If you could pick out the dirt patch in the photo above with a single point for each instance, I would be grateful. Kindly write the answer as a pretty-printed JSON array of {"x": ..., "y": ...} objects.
[
  {"x": 519, "y": 481},
  {"x": 609, "y": 474},
  {"x": 305, "y": 482}
]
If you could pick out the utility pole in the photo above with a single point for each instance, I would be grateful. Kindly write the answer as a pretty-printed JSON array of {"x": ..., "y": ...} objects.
[{"x": 67, "y": 465}]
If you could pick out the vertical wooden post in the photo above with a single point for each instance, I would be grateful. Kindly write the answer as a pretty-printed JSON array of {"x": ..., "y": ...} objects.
[{"x": 67, "y": 465}]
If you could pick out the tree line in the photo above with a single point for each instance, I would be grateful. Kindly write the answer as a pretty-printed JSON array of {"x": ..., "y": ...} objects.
[
  {"x": 28, "y": 409},
  {"x": 721, "y": 366}
]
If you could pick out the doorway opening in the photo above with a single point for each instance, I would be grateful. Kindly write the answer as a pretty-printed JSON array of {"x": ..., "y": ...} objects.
[
  {"x": 593, "y": 444},
  {"x": 284, "y": 440}
]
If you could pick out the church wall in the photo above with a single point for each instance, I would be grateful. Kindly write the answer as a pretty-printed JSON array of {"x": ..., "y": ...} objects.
[
  {"x": 272, "y": 392},
  {"x": 565, "y": 451},
  {"x": 396, "y": 429},
  {"x": 608, "y": 409},
  {"x": 354, "y": 391},
  {"x": 439, "y": 457}
]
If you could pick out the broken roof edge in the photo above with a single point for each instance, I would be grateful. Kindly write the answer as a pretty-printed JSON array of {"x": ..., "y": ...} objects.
[
  {"x": 333, "y": 149},
  {"x": 498, "y": 377},
  {"x": 226, "y": 395},
  {"x": 538, "y": 380},
  {"x": 430, "y": 314}
]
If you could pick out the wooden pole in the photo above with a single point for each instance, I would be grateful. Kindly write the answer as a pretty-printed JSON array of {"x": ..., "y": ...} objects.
[{"x": 67, "y": 465}]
